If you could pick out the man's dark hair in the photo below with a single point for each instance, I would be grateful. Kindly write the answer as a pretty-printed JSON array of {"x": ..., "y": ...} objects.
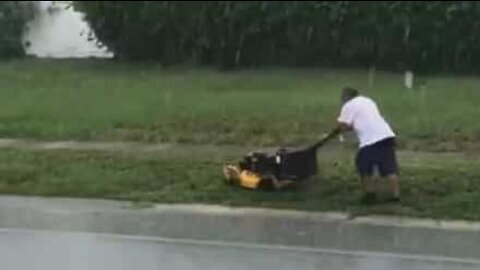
[{"x": 349, "y": 93}]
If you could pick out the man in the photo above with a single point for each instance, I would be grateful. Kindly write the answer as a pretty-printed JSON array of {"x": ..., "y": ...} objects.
[{"x": 376, "y": 139}]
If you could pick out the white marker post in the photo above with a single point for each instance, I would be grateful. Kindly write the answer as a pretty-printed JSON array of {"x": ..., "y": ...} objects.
[{"x": 408, "y": 79}]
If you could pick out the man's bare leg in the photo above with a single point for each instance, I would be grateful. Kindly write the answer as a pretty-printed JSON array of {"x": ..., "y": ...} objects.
[
  {"x": 368, "y": 189},
  {"x": 367, "y": 185},
  {"x": 395, "y": 184}
]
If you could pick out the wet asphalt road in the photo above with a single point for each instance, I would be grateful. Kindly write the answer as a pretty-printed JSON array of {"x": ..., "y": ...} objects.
[{"x": 42, "y": 250}]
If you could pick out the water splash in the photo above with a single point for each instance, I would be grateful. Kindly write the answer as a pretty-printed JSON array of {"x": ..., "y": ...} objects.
[{"x": 58, "y": 31}]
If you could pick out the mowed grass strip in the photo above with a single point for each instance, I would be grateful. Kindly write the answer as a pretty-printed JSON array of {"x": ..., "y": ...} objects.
[{"x": 434, "y": 185}]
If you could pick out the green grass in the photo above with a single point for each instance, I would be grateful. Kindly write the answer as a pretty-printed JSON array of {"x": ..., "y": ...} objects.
[
  {"x": 434, "y": 185},
  {"x": 216, "y": 117},
  {"x": 93, "y": 100}
]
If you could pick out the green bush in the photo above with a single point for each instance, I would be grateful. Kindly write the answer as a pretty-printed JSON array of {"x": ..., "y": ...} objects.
[
  {"x": 422, "y": 35},
  {"x": 14, "y": 16}
]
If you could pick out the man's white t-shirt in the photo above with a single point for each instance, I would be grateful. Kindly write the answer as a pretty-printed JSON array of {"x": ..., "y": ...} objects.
[{"x": 369, "y": 125}]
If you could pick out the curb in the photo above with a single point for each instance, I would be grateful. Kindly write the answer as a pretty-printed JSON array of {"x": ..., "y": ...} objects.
[{"x": 336, "y": 231}]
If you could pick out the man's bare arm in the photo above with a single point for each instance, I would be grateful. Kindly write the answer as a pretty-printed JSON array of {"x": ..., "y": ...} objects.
[{"x": 339, "y": 129}]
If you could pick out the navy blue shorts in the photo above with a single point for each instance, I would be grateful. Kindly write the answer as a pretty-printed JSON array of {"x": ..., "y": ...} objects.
[{"x": 379, "y": 156}]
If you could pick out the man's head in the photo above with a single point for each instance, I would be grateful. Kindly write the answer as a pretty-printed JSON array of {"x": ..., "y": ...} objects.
[{"x": 348, "y": 94}]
